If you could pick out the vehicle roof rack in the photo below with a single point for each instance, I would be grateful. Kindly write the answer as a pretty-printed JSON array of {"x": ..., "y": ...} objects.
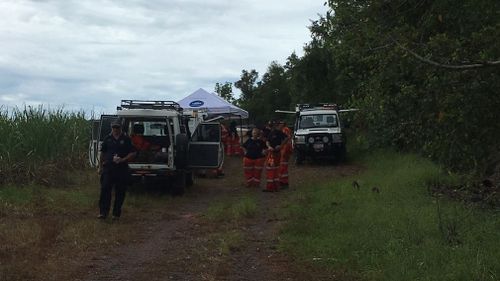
[
  {"x": 313, "y": 106},
  {"x": 149, "y": 104}
]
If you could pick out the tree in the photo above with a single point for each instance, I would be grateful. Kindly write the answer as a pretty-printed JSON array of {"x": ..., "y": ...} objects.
[
  {"x": 225, "y": 91},
  {"x": 425, "y": 73},
  {"x": 247, "y": 84}
]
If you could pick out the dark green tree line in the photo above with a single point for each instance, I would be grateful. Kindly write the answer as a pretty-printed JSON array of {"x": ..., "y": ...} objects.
[{"x": 426, "y": 75}]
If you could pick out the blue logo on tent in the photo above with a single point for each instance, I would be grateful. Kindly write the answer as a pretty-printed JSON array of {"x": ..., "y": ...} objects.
[{"x": 196, "y": 103}]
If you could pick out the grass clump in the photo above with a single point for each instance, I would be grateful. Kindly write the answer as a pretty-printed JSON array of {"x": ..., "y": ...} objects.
[
  {"x": 224, "y": 210},
  {"x": 391, "y": 229},
  {"x": 39, "y": 145}
]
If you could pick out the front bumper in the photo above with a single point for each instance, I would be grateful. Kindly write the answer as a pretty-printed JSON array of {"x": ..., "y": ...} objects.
[{"x": 319, "y": 150}]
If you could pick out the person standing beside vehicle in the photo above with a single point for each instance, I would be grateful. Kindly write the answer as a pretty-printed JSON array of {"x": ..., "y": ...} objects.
[
  {"x": 286, "y": 152},
  {"x": 254, "y": 150},
  {"x": 275, "y": 140},
  {"x": 234, "y": 148},
  {"x": 116, "y": 151},
  {"x": 266, "y": 130}
]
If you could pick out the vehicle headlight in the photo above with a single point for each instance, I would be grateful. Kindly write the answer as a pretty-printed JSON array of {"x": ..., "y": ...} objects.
[
  {"x": 325, "y": 139},
  {"x": 300, "y": 139},
  {"x": 310, "y": 140}
]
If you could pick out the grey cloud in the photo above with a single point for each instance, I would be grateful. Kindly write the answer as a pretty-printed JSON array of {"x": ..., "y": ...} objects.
[{"x": 94, "y": 53}]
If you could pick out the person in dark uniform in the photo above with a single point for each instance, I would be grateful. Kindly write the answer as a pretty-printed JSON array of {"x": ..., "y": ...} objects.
[
  {"x": 254, "y": 155},
  {"x": 266, "y": 130},
  {"x": 116, "y": 151}
]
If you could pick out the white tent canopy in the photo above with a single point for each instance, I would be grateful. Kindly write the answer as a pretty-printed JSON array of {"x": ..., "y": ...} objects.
[{"x": 214, "y": 104}]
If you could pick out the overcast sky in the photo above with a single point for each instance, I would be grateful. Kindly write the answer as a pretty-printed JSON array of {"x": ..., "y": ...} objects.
[{"x": 90, "y": 54}]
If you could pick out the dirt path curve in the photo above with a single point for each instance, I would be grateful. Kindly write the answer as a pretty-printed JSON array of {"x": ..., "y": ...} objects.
[{"x": 180, "y": 244}]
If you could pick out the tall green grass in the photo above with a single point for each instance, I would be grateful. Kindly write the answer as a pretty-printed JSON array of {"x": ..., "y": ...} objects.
[
  {"x": 400, "y": 233},
  {"x": 39, "y": 143}
]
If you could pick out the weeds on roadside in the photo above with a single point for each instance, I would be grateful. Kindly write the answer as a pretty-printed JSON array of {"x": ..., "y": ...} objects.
[
  {"x": 387, "y": 227},
  {"x": 223, "y": 210}
]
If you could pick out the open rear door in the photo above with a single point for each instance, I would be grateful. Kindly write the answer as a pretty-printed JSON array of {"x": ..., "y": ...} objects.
[
  {"x": 205, "y": 148},
  {"x": 94, "y": 143},
  {"x": 100, "y": 129}
]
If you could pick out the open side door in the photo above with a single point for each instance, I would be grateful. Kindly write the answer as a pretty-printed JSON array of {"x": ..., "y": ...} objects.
[
  {"x": 205, "y": 149},
  {"x": 94, "y": 143},
  {"x": 100, "y": 129}
]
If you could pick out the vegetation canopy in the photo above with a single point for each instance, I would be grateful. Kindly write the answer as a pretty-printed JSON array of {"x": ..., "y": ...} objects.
[{"x": 425, "y": 74}]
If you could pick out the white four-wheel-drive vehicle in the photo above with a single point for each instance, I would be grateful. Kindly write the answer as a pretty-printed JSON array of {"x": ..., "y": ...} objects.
[
  {"x": 318, "y": 132},
  {"x": 171, "y": 153}
]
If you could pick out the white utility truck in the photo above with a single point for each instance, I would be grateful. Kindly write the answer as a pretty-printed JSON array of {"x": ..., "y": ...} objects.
[{"x": 172, "y": 154}]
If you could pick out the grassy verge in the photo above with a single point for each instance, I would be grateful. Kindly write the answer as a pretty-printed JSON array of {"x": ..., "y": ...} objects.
[
  {"x": 391, "y": 228},
  {"x": 44, "y": 229},
  {"x": 229, "y": 215},
  {"x": 234, "y": 211}
]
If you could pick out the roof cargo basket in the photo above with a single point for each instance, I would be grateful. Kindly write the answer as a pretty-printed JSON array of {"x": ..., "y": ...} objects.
[{"x": 145, "y": 104}]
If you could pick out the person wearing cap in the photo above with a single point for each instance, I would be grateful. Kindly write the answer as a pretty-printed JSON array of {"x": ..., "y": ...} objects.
[
  {"x": 266, "y": 130},
  {"x": 254, "y": 155},
  {"x": 286, "y": 152},
  {"x": 116, "y": 151},
  {"x": 275, "y": 141}
]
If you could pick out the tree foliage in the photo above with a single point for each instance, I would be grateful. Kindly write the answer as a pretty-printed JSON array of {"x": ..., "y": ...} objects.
[
  {"x": 225, "y": 91},
  {"x": 426, "y": 75}
]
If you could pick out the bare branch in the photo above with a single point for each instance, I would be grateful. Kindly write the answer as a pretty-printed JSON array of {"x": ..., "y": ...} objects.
[{"x": 448, "y": 66}]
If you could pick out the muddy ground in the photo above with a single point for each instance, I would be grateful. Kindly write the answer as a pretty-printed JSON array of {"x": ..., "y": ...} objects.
[{"x": 179, "y": 241}]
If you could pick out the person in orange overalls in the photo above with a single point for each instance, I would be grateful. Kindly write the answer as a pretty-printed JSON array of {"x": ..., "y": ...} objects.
[
  {"x": 254, "y": 155},
  {"x": 138, "y": 139},
  {"x": 286, "y": 152},
  {"x": 224, "y": 136},
  {"x": 275, "y": 141},
  {"x": 233, "y": 143}
]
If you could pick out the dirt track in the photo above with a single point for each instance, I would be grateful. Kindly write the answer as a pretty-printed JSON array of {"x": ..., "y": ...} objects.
[{"x": 179, "y": 243}]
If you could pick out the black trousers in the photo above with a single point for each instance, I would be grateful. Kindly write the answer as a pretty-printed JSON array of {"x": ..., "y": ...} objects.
[{"x": 113, "y": 179}]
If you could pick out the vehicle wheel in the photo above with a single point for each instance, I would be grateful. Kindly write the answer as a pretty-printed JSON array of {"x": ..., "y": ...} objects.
[
  {"x": 179, "y": 184},
  {"x": 342, "y": 154},
  {"x": 189, "y": 179},
  {"x": 181, "y": 151}
]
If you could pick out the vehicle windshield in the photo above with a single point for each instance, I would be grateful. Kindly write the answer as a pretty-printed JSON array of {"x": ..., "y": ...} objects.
[{"x": 318, "y": 121}]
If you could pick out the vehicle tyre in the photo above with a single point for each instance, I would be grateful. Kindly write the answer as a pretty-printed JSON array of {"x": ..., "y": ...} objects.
[
  {"x": 299, "y": 158},
  {"x": 179, "y": 184},
  {"x": 342, "y": 154},
  {"x": 189, "y": 178},
  {"x": 181, "y": 151}
]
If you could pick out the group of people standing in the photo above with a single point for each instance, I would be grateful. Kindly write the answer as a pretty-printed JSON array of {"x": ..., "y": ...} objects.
[{"x": 271, "y": 148}]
